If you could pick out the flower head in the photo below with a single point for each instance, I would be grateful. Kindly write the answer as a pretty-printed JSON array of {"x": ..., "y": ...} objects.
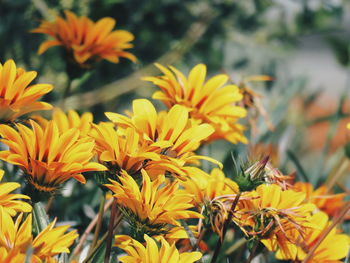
[
  {"x": 149, "y": 252},
  {"x": 48, "y": 157},
  {"x": 273, "y": 213},
  {"x": 16, "y": 97},
  {"x": 86, "y": 41},
  {"x": 170, "y": 134},
  {"x": 9, "y": 202},
  {"x": 16, "y": 238},
  {"x": 154, "y": 206},
  {"x": 211, "y": 102},
  {"x": 332, "y": 249},
  {"x": 69, "y": 120}
]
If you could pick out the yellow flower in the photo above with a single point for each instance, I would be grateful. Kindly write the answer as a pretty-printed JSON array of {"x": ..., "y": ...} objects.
[
  {"x": 67, "y": 121},
  {"x": 171, "y": 134},
  {"x": 206, "y": 188},
  {"x": 16, "y": 97},
  {"x": 47, "y": 157},
  {"x": 331, "y": 250},
  {"x": 150, "y": 252},
  {"x": 348, "y": 126},
  {"x": 272, "y": 213},
  {"x": 86, "y": 41},
  {"x": 155, "y": 205},
  {"x": 17, "y": 236},
  {"x": 121, "y": 151},
  {"x": 211, "y": 101},
  {"x": 8, "y": 201},
  {"x": 322, "y": 197}
]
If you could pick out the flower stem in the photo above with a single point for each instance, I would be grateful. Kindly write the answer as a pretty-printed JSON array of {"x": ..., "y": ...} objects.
[
  {"x": 99, "y": 221},
  {"x": 226, "y": 224},
  {"x": 100, "y": 242},
  {"x": 110, "y": 231}
]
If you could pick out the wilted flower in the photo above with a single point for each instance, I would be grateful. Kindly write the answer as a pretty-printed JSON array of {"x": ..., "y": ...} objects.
[
  {"x": 85, "y": 41},
  {"x": 149, "y": 252},
  {"x": 211, "y": 102},
  {"x": 48, "y": 157},
  {"x": 16, "y": 97},
  {"x": 332, "y": 249},
  {"x": 9, "y": 202},
  {"x": 273, "y": 213}
]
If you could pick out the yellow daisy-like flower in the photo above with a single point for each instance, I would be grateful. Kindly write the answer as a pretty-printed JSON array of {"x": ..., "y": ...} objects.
[
  {"x": 85, "y": 40},
  {"x": 16, "y": 97},
  {"x": 9, "y": 202},
  {"x": 121, "y": 151},
  {"x": 171, "y": 134},
  {"x": 66, "y": 121},
  {"x": 331, "y": 250},
  {"x": 153, "y": 206},
  {"x": 322, "y": 197},
  {"x": 211, "y": 101},
  {"x": 206, "y": 188},
  {"x": 272, "y": 213},
  {"x": 17, "y": 237},
  {"x": 47, "y": 157},
  {"x": 150, "y": 252}
]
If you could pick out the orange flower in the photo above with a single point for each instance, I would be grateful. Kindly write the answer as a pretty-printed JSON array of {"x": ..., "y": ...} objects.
[
  {"x": 85, "y": 40},
  {"x": 48, "y": 157},
  {"x": 211, "y": 102},
  {"x": 322, "y": 197},
  {"x": 16, "y": 97}
]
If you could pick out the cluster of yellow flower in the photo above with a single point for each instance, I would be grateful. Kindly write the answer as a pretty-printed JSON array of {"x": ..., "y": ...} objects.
[{"x": 149, "y": 163}]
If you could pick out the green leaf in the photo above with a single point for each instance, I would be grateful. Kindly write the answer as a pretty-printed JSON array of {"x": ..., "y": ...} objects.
[
  {"x": 100, "y": 254},
  {"x": 40, "y": 218}
]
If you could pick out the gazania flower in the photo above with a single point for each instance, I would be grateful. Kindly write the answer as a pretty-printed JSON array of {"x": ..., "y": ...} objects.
[
  {"x": 332, "y": 249},
  {"x": 322, "y": 197},
  {"x": 86, "y": 41},
  {"x": 150, "y": 209},
  {"x": 67, "y": 121},
  {"x": 205, "y": 188},
  {"x": 121, "y": 151},
  {"x": 149, "y": 252},
  {"x": 9, "y": 202},
  {"x": 16, "y": 97},
  {"x": 273, "y": 213},
  {"x": 17, "y": 237},
  {"x": 211, "y": 102},
  {"x": 171, "y": 134},
  {"x": 47, "y": 157}
]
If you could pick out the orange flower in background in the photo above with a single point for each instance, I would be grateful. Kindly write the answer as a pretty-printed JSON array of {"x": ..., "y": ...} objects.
[
  {"x": 322, "y": 197},
  {"x": 85, "y": 40},
  {"x": 47, "y": 157},
  {"x": 211, "y": 101},
  {"x": 9, "y": 202},
  {"x": 16, "y": 97}
]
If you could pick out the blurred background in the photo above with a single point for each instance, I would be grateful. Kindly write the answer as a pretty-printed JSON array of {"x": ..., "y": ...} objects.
[{"x": 303, "y": 45}]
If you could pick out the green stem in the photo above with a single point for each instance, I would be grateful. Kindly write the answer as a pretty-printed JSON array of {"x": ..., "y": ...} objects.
[
  {"x": 100, "y": 242},
  {"x": 99, "y": 221}
]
